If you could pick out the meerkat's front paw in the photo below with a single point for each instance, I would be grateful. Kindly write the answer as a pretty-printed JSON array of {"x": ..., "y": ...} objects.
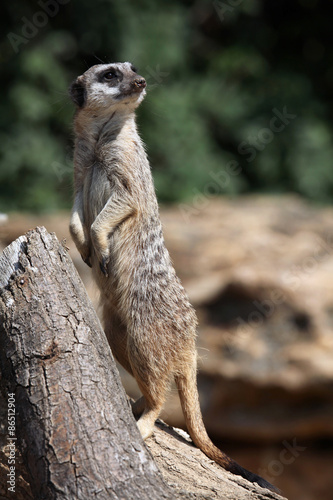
[
  {"x": 85, "y": 254},
  {"x": 103, "y": 258},
  {"x": 104, "y": 265},
  {"x": 100, "y": 242}
]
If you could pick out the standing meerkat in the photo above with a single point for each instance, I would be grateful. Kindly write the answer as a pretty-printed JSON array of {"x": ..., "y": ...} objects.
[{"x": 115, "y": 224}]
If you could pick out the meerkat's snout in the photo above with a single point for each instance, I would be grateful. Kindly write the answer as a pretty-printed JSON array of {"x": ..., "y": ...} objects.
[{"x": 140, "y": 83}]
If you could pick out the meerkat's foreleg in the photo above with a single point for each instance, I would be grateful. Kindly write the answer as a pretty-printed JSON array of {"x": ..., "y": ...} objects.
[
  {"x": 117, "y": 210},
  {"x": 77, "y": 228}
]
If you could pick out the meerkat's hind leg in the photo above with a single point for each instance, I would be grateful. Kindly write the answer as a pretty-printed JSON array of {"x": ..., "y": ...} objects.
[
  {"x": 116, "y": 334},
  {"x": 153, "y": 390},
  {"x": 147, "y": 421}
]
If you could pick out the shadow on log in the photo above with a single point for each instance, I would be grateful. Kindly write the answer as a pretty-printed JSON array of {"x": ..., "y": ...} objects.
[{"x": 72, "y": 435}]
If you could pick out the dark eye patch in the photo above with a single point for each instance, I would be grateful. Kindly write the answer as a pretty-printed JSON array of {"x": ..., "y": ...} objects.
[
  {"x": 109, "y": 75},
  {"x": 133, "y": 68}
]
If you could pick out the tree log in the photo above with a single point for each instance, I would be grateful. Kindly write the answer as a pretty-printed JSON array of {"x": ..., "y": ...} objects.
[
  {"x": 74, "y": 427},
  {"x": 184, "y": 465},
  {"x": 73, "y": 435}
]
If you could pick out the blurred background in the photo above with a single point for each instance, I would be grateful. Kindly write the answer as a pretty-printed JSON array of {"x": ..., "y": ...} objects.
[{"x": 238, "y": 123}]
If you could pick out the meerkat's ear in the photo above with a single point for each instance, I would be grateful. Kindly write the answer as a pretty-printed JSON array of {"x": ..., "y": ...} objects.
[{"x": 77, "y": 92}]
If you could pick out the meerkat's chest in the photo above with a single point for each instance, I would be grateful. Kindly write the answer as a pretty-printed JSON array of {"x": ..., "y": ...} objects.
[{"x": 97, "y": 191}]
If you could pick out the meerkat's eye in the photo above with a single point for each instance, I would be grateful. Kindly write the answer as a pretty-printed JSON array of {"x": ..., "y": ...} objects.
[
  {"x": 109, "y": 75},
  {"x": 133, "y": 68}
]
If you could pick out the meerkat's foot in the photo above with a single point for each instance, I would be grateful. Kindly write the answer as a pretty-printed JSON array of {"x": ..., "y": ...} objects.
[
  {"x": 146, "y": 423},
  {"x": 146, "y": 428},
  {"x": 138, "y": 407}
]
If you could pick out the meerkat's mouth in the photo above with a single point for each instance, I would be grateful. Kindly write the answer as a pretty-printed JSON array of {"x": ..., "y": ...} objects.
[
  {"x": 136, "y": 88},
  {"x": 129, "y": 94}
]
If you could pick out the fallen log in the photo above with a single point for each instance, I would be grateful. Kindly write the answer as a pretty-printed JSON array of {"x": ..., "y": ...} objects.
[{"x": 67, "y": 429}]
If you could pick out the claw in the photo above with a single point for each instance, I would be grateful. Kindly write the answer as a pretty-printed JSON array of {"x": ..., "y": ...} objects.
[{"x": 103, "y": 267}]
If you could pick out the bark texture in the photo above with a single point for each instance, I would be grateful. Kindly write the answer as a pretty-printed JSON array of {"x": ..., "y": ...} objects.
[
  {"x": 74, "y": 428},
  {"x": 76, "y": 436},
  {"x": 185, "y": 466}
]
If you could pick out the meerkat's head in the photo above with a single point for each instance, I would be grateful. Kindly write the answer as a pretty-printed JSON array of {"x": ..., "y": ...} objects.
[{"x": 106, "y": 87}]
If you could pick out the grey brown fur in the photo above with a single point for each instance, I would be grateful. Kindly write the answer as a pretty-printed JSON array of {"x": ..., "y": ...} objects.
[{"x": 148, "y": 320}]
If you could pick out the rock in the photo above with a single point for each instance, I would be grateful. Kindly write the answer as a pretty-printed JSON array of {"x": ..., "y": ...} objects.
[
  {"x": 259, "y": 272},
  {"x": 3, "y": 218}
]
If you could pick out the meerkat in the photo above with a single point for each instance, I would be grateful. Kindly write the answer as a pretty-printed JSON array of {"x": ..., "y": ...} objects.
[{"x": 115, "y": 224}]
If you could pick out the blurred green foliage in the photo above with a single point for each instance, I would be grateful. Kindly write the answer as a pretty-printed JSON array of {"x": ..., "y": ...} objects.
[{"x": 216, "y": 70}]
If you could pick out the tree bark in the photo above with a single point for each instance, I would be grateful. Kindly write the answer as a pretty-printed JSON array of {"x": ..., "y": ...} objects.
[
  {"x": 75, "y": 432},
  {"x": 73, "y": 435},
  {"x": 184, "y": 466}
]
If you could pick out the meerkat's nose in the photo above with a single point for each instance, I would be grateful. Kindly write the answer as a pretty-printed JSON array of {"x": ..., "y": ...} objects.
[{"x": 140, "y": 83}]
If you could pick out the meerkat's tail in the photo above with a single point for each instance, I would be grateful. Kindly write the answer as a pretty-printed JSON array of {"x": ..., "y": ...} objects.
[{"x": 189, "y": 398}]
